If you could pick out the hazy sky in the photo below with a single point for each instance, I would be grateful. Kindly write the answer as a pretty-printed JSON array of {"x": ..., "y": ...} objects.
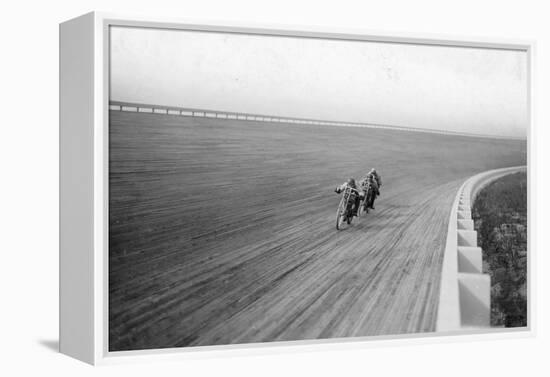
[{"x": 458, "y": 89}]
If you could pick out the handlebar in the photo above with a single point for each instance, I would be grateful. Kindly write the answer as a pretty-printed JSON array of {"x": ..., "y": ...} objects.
[{"x": 338, "y": 190}]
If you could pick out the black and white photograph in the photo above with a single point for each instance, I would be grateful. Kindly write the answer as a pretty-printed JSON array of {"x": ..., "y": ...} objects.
[
  {"x": 269, "y": 188},
  {"x": 278, "y": 188}
]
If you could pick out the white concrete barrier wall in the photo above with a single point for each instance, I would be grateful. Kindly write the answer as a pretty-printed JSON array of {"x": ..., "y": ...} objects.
[
  {"x": 470, "y": 259},
  {"x": 475, "y": 300},
  {"x": 465, "y": 292}
]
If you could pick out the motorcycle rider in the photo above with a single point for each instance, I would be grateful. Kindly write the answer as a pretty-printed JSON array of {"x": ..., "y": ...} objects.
[
  {"x": 374, "y": 179},
  {"x": 351, "y": 183},
  {"x": 377, "y": 177},
  {"x": 371, "y": 180}
]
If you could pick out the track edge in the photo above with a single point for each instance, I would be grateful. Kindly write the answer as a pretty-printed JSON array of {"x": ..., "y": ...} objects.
[{"x": 464, "y": 294}]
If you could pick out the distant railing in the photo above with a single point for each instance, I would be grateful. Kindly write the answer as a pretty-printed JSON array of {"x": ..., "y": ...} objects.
[{"x": 204, "y": 113}]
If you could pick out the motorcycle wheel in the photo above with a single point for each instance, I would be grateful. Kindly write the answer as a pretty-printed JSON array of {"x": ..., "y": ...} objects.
[
  {"x": 339, "y": 217},
  {"x": 362, "y": 208},
  {"x": 369, "y": 201},
  {"x": 365, "y": 206},
  {"x": 340, "y": 220}
]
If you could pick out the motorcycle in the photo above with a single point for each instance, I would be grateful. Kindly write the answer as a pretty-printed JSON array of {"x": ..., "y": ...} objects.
[
  {"x": 344, "y": 212},
  {"x": 367, "y": 199}
]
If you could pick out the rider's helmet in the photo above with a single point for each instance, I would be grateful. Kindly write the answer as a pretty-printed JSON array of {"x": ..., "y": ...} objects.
[
  {"x": 351, "y": 182},
  {"x": 372, "y": 171}
]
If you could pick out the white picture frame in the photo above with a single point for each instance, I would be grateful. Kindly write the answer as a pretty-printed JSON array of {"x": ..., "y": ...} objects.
[{"x": 84, "y": 108}]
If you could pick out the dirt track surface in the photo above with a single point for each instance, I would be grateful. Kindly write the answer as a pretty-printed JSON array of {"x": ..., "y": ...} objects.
[{"x": 223, "y": 231}]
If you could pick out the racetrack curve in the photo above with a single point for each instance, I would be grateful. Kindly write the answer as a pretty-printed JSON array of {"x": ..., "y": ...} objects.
[{"x": 223, "y": 231}]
